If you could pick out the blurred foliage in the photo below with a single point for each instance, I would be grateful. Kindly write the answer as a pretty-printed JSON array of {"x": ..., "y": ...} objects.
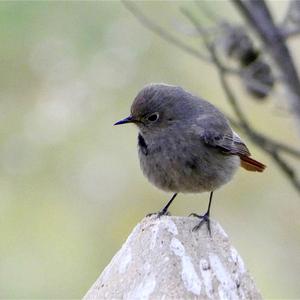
[{"x": 70, "y": 185}]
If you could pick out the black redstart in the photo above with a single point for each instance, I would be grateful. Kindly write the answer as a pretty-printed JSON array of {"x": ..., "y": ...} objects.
[{"x": 186, "y": 144}]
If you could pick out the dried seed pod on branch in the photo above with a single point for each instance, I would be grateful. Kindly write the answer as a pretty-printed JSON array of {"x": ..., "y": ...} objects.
[{"x": 256, "y": 74}]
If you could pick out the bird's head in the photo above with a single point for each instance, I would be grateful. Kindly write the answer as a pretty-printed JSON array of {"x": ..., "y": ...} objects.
[{"x": 158, "y": 106}]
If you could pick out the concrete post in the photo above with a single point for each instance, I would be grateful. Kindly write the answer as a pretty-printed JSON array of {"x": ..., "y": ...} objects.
[{"x": 163, "y": 259}]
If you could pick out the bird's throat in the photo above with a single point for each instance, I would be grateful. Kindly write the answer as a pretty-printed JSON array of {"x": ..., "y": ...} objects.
[{"x": 142, "y": 144}]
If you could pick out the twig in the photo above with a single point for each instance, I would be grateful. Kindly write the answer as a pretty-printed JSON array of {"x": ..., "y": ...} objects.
[
  {"x": 168, "y": 37},
  {"x": 288, "y": 170},
  {"x": 234, "y": 103},
  {"x": 210, "y": 14},
  {"x": 289, "y": 32},
  {"x": 271, "y": 144},
  {"x": 165, "y": 35},
  {"x": 262, "y": 139}
]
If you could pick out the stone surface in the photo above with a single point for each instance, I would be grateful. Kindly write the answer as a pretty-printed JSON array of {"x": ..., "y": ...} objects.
[{"x": 163, "y": 259}]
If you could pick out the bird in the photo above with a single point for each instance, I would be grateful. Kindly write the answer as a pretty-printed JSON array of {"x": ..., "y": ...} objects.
[{"x": 186, "y": 144}]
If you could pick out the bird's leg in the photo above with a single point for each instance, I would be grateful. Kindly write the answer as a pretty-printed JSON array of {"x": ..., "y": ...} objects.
[
  {"x": 164, "y": 211},
  {"x": 204, "y": 218}
]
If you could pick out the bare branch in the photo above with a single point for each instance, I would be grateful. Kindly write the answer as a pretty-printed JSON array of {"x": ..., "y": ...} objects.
[
  {"x": 259, "y": 16},
  {"x": 287, "y": 169},
  {"x": 165, "y": 35},
  {"x": 289, "y": 32},
  {"x": 168, "y": 37},
  {"x": 210, "y": 47},
  {"x": 267, "y": 142}
]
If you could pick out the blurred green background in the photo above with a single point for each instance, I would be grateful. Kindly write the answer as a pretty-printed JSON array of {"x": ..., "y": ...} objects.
[{"x": 70, "y": 185}]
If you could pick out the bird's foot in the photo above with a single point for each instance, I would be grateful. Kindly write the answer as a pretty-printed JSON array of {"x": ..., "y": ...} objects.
[
  {"x": 204, "y": 219},
  {"x": 159, "y": 214}
]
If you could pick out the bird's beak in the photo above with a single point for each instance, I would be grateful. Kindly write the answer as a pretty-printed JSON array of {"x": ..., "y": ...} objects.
[{"x": 125, "y": 121}]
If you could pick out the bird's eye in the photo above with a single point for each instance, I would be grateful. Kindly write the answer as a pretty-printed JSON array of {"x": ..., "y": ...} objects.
[{"x": 153, "y": 117}]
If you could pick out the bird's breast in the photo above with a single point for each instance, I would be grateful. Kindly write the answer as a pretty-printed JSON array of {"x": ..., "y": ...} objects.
[{"x": 175, "y": 163}]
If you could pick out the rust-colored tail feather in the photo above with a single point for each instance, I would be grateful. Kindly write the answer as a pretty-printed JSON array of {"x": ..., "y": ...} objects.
[{"x": 251, "y": 164}]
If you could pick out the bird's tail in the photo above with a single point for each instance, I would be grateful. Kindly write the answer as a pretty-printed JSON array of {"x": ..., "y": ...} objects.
[{"x": 251, "y": 164}]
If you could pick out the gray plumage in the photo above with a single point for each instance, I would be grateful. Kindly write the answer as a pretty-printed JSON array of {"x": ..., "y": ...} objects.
[{"x": 189, "y": 147}]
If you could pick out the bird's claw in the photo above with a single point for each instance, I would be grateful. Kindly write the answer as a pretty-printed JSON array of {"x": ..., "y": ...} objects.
[
  {"x": 204, "y": 219},
  {"x": 159, "y": 214},
  {"x": 195, "y": 215}
]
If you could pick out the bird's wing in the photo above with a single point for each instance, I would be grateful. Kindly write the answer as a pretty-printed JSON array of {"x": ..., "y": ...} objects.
[
  {"x": 228, "y": 143},
  {"x": 216, "y": 132},
  {"x": 231, "y": 144}
]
